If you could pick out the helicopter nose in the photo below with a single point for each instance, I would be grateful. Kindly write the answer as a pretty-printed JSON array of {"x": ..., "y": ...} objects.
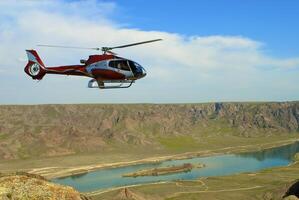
[{"x": 143, "y": 72}]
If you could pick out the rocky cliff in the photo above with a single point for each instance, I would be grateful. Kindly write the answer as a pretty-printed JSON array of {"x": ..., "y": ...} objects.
[{"x": 50, "y": 130}]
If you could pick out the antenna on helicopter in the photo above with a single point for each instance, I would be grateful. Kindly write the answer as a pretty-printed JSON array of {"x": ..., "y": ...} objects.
[{"x": 104, "y": 49}]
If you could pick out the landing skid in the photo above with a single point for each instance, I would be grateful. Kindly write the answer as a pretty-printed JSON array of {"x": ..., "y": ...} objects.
[{"x": 93, "y": 83}]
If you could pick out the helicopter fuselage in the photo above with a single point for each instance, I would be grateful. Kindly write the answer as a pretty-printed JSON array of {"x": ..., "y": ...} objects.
[{"x": 102, "y": 68}]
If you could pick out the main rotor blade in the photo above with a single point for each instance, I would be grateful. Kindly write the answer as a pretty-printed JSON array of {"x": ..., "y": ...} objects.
[
  {"x": 68, "y": 47},
  {"x": 104, "y": 49},
  {"x": 133, "y": 44}
]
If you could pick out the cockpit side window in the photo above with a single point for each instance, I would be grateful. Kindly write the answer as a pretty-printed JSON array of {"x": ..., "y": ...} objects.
[
  {"x": 120, "y": 64},
  {"x": 112, "y": 64}
]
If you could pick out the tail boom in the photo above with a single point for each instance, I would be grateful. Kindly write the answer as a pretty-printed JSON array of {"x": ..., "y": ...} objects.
[{"x": 37, "y": 70}]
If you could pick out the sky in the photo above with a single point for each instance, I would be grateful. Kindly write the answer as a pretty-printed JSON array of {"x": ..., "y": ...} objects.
[{"x": 212, "y": 51}]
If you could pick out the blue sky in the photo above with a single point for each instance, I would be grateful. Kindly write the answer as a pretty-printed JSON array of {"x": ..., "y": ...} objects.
[
  {"x": 273, "y": 22},
  {"x": 224, "y": 50}
]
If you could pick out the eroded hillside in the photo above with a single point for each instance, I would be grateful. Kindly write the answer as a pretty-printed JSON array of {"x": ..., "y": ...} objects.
[{"x": 51, "y": 130}]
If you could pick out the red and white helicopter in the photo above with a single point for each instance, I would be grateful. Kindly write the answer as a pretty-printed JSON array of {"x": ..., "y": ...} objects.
[{"x": 107, "y": 70}]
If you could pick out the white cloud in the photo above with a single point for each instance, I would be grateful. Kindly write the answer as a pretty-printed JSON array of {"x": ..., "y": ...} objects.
[{"x": 184, "y": 66}]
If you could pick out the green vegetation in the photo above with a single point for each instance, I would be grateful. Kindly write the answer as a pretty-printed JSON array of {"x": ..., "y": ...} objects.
[
  {"x": 179, "y": 143},
  {"x": 187, "y": 167},
  {"x": 22, "y": 153},
  {"x": 3, "y": 136}
]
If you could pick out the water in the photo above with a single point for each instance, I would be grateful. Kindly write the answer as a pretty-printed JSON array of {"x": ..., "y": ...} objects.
[{"x": 215, "y": 166}]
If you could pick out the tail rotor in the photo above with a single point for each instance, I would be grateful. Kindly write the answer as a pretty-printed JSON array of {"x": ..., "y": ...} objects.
[{"x": 35, "y": 66}]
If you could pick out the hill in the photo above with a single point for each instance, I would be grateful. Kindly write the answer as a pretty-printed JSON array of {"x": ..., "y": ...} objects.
[{"x": 35, "y": 131}]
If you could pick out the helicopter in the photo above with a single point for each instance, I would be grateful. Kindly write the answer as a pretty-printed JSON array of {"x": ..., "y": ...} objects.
[{"x": 107, "y": 70}]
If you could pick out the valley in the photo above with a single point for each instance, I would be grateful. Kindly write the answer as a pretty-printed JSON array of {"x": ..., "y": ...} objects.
[{"x": 63, "y": 140}]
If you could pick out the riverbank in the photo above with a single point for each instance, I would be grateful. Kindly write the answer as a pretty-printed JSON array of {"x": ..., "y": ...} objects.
[{"x": 59, "y": 172}]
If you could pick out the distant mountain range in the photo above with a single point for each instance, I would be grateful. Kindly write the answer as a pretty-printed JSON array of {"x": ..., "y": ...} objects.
[{"x": 51, "y": 130}]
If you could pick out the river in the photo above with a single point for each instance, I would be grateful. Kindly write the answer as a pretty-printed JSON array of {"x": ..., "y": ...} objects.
[{"x": 214, "y": 166}]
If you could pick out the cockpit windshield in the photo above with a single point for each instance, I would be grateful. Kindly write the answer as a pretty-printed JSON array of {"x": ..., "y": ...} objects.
[
  {"x": 134, "y": 64},
  {"x": 136, "y": 68}
]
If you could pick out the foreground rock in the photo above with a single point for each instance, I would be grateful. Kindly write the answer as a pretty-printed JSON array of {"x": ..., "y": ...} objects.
[{"x": 28, "y": 186}]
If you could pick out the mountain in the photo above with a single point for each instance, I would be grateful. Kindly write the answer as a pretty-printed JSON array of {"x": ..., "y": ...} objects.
[{"x": 53, "y": 130}]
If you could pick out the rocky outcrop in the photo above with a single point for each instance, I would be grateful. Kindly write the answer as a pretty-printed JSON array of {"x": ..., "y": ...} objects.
[
  {"x": 53, "y": 130},
  {"x": 21, "y": 185},
  {"x": 127, "y": 194}
]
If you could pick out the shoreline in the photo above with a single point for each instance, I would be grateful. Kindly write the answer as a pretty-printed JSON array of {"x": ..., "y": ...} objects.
[{"x": 66, "y": 172}]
